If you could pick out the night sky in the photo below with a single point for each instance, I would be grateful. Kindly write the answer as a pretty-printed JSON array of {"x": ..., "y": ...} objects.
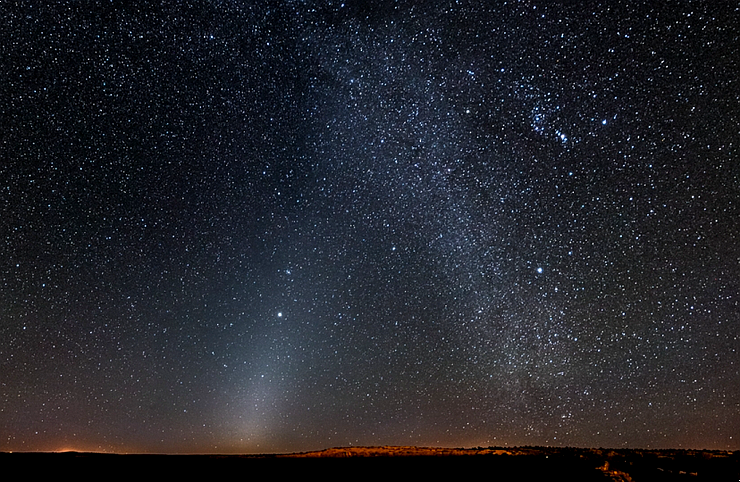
[{"x": 283, "y": 226}]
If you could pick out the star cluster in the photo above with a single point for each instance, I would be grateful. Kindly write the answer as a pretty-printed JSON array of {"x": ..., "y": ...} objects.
[{"x": 279, "y": 226}]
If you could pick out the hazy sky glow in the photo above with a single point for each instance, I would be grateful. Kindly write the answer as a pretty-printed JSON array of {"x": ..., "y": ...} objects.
[{"x": 285, "y": 226}]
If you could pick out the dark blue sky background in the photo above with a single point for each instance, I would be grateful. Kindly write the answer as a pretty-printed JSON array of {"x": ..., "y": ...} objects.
[{"x": 280, "y": 226}]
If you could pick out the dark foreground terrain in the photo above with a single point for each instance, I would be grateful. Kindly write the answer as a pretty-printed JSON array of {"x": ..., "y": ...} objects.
[{"x": 524, "y": 463}]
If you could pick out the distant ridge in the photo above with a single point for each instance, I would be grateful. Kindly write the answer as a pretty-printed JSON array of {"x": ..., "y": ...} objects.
[
  {"x": 569, "y": 463},
  {"x": 404, "y": 451},
  {"x": 411, "y": 451}
]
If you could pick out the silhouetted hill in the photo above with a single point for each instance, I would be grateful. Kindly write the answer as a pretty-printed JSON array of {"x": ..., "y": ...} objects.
[{"x": 497, "y": 463}]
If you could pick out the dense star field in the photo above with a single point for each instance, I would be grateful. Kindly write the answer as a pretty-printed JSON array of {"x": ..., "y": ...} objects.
[{"x": 282, "y": 226}]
